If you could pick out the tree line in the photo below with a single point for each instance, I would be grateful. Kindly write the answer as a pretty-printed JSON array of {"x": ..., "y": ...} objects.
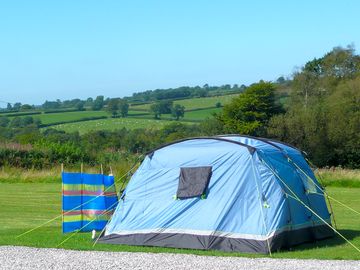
[
  {"x": 320, "y": 114},
  {"x": 185, "y": 92},
  {"x": 101, "y": 102}
]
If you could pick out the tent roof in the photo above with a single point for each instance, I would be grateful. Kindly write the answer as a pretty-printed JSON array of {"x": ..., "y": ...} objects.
[{"x": 250, "y": 142}]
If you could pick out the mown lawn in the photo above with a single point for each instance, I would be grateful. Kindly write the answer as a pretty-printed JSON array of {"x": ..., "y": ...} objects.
[
  {"x": 25, "y": 206},
  {"x": 111, "y": 124},
  {"x": 194, "y": 103}
]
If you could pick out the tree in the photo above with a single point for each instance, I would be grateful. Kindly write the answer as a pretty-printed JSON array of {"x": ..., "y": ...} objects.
[
  {"x": 323, "y": 117},
  {"x": 343, "y": 123},
  {"x": 156, "y": 110},
  {"x": 89, "y": 102},
  {"x": 177, "y": 111},
  {"x": 305, "y": 86},
  {"x": 320, "y": 76},
  {"x": 51, "y": 105},
  {"x": 98, "y": 103},
  {"x": 123, "y": 107},
  {"x": 280, "y": 80},
  {"x": 27, "y": 121},
  {"x": 26, "y": 107},
  {"x": 17, "y": 106},
  {"x": 250, "y": 112},
  {"x": 9, "y": 107},
  {"x": 80, "y": 105},
  {"x": 113, "y": 106},
  {"x": 201, "y": 92},
  {"x": 4, "y": 121},
  {"x": 161, "y": 107},
  {"x": 16, "y": 122}
]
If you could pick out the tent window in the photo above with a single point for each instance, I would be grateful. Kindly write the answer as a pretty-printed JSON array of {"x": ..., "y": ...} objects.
[{"x": 193, "y": 181}]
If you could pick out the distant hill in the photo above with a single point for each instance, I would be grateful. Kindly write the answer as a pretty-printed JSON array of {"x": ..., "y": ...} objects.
[{"x": 185, "y": 92}]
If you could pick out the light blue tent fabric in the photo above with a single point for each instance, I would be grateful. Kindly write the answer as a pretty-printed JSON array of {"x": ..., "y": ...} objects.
[{"x": 246, "y": 206}]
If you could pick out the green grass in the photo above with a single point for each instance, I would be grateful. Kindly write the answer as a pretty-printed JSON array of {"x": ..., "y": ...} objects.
[
  {"x": 17, "y": 175},
  {"x": 53, "y": 175},
  {"x": 195, "y": 103},
  {"x": 194, "y": 116},
  {"x": 25, "y": 206},
  {"x": 200, "y": 114},
  {"x": 112, "y": 124},
  {"x": 338, "y": 177},
  {"x": 53, "y": 118},
  {"x": 50, "y": 118}
]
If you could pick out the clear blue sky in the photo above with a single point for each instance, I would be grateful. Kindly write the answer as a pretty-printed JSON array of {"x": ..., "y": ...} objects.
[{"x": 70, "y": 48}]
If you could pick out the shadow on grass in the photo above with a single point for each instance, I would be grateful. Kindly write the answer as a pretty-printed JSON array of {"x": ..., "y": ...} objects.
[{"x": 336, "y": 240}]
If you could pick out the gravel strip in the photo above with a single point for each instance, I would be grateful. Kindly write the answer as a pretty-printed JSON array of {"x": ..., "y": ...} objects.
[{"x": 48, "y": 258}]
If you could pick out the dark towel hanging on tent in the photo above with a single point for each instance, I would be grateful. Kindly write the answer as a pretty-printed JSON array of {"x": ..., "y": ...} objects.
[{"x": 88, "y": 201}]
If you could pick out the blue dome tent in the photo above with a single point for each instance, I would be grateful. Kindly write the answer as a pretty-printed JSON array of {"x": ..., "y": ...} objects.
[{"x": 229, "y": 192}]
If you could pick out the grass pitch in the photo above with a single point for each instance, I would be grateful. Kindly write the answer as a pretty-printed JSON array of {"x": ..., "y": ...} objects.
[{"x": 27, "y": 205}]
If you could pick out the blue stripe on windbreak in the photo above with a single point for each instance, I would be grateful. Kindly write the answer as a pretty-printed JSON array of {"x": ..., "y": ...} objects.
[
  {"x": 86, "y": 226},
  {"x": 95, "y": 225},
  {"x": 71, "y": 226},
  {"x": 93, "y": 179},
  {"x": 71, "y": 178},
  {"x": 85, "y": 202},
  {"x": 108, "y": 180},
  {"x": 88, "y": 202}
]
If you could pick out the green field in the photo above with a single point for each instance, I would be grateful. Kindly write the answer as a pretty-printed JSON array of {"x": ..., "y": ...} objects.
[
  {"x": 200, "y": 114},
  {"x": 112, "y": 124},
  {"x": 25, "y": 206},
  {"x": 138, "y": 116},
  {"x": 53, "y": 118},
  {"x": 195, "y": 116},
  {"x": 50, "y": 118},
  {"x": 136, "y": 119},
  {"x": 194, "y": 103}
]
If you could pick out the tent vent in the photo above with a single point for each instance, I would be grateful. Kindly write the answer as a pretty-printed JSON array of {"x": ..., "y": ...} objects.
[{"x": 193, "y": 181}]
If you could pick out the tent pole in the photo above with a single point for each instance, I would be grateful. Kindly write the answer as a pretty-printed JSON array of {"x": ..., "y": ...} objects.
[{"x": 261, "y": 207}]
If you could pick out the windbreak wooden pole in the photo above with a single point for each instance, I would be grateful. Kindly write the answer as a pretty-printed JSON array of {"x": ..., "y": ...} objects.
[{"x": 62, "y": 194}]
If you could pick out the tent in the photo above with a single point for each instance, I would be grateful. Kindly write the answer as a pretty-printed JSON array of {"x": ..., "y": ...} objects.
[{"x": 229, "y": 192}]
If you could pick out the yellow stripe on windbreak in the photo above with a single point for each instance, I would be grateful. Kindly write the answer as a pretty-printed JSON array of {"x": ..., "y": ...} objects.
[
  {"x": 86, "y": 218},
  {"x": 78, "y": 187}
]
